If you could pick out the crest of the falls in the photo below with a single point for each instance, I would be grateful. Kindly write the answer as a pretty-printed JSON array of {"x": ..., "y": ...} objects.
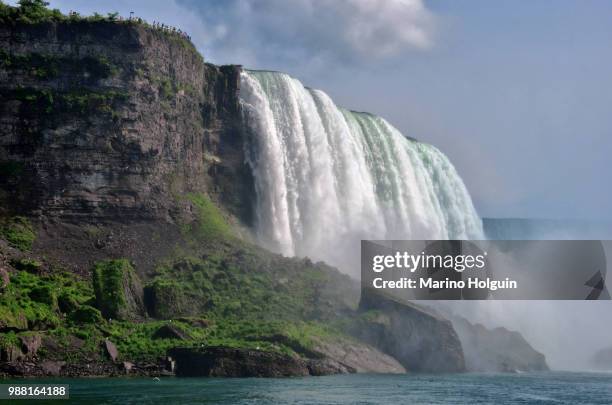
[{"x": 326, "y": 177}]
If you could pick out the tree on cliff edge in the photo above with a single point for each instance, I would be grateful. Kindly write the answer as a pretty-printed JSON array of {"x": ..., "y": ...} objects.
[{"x": 29, "y": 12}]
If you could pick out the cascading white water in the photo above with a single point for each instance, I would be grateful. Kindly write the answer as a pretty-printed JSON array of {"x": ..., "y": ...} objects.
[{"x": 327, "y": 177}]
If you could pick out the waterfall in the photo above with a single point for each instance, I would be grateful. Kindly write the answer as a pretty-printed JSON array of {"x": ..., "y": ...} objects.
[{"x": 326, "y": 177}]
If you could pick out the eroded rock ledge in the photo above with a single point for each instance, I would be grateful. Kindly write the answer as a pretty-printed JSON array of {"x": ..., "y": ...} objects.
[{"x": 233, "y": 362}]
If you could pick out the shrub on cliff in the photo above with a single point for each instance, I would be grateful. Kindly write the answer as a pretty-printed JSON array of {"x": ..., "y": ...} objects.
[
  {"x": 164, "y": 299},
  {"x": 86, "y": 314},
  {"x": 30, "y": 302},
  {"x": 117, "y": 289},
  {"x": 26, "y": 264},
  {"x": 29, "y": 12},
  {"x": 18, "y": 232},
  {"x": 45, "y": 295}
]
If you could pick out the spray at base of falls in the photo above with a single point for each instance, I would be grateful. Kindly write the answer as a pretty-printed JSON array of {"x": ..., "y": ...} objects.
[{"x": 326, "y": 177}]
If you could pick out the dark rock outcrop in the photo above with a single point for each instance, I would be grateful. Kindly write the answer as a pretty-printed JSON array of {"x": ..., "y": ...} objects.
[
  {"x": 325, "y": 359},
  {"x": 497, "y": 350},
  {"x": 420, "y": 340},
  {"x": 170, "y": 332},
  {"x": 10, "y": 353},
  {"x": 231, "y": 362},
  {"x": 52, "y": 368},
  {"x": 327, "y": 366},
  {"x": 30, "y": 344}
]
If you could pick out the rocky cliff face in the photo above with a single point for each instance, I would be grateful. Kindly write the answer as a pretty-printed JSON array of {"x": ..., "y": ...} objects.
[
  {"x": 106, "y": 128},
  {"x": 102, "y": 121}
]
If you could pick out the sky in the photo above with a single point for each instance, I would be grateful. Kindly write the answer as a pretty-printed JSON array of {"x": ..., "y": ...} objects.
[{"x": 518, "y": 94}]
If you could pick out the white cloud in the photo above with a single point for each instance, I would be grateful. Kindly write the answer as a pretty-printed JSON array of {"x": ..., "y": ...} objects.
[
  {"x": 386, "y": 27},
  {"x": 305, "y": 31}
]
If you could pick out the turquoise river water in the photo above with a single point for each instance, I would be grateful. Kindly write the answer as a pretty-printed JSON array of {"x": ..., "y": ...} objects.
[{"x": 528, "y": 388}]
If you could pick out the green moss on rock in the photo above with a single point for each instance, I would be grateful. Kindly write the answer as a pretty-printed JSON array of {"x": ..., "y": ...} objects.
[
  {"x": 80, "y": 101},
  {"x": 210, "y": 223},
  {"x": 12, "y": 318},
  {"x": 30, "y": 301},
  {"x": 46, "y": 67},
  {"x": 44, "y": 294},
  {"x": 164, "y": 299},
  {"x": 26, "y": 264},
  {"x": 18, "y": 232},
  {"x": 86, "y": 314},
  {"x": 117, "y": 289},
  {"x": 66, "y": 302}
]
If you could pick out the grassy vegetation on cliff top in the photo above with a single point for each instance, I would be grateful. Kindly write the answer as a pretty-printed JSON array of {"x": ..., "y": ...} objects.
[{"x": 37, "y": 12}]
